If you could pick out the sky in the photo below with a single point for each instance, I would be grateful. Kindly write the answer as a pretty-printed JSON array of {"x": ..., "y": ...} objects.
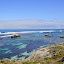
[{"x": 31, "y": 14}]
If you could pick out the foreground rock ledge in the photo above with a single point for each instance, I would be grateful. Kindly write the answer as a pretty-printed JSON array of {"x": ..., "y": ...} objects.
[
  {"x": 54, "y": 52},
  {"x": 40, "y": 53}
]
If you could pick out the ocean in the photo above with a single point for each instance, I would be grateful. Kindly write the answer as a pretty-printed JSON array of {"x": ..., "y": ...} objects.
[{"x": 30, "y": 41}]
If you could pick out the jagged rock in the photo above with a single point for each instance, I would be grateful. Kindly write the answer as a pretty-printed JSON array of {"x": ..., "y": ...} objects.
[
  {"x": 14, "y": 36},
  {"x": 61, "y": 36}
]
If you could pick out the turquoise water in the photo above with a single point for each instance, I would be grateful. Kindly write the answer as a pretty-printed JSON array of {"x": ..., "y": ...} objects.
[{"x": 27, "y": 44}]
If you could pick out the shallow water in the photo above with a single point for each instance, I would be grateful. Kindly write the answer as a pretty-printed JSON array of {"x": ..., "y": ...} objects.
[{"x": 27, "y": 44}]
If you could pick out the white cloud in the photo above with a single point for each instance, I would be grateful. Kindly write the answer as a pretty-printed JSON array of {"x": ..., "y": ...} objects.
[{"x": 31, "y": 24}]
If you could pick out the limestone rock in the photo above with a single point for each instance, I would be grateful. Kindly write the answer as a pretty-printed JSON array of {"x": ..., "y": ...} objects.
[
  {"x": 61, "y": 36},
  {"x": 47, "y": 35},
  {"x": 14, "y": 36}
]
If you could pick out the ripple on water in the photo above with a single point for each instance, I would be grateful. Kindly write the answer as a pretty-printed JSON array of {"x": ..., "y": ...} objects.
[
  {"x": 2, "y": 44},
  {"x": 17, "y": 44},
  {"x": 8, "y": 51},
  {"x": 22, "y": 46}
]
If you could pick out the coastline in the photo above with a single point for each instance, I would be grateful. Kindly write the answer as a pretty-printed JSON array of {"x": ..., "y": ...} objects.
[
  {"x": 44, "y": 52},
  {"x": 39, "y": 53},
  {"x": 54, "y": 54}
]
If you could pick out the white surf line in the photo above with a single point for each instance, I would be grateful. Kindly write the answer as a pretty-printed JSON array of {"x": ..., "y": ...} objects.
[
  {"x": 6, "y": 36},
  {"x": 35, "y": 31},
  {"x": 25, "y": 32},
  {"x": 13, "y": 33}
]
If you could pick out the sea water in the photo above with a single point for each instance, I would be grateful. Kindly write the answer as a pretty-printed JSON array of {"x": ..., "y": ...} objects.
[{"x": 30, "y": 41}]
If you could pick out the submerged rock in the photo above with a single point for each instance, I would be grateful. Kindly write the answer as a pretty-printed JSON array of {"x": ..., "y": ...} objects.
[
  {"x": 61, "y": 36},
  {"x": 14, "y": 36}
]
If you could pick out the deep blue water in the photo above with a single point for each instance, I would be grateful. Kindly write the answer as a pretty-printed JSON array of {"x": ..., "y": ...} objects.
[
  {"x": 28, "y": 43},
  {"x": 19, "y": 30}
]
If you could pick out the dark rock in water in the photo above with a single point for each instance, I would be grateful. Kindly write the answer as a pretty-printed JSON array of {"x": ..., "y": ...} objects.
[
  {"x": 47, "y": 35},
  {"x": 14, "y": 36},
  {"x": 61, "y": 36}
]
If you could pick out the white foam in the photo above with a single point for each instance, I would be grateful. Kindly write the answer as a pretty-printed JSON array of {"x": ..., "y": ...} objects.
[
  {"x": 60, "y": 30},
  {"x": 24, "y": 32},
  {"x": 6, "y": 36},
  {"x": 35, "y": 31},
  {"x": 9, "y": 34}
]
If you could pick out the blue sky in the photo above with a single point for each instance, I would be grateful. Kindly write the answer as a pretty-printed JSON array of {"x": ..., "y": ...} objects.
[{"x": 32, "y": 11}]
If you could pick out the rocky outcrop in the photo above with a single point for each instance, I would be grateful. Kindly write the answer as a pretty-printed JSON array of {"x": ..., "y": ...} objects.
[
  {"x": 54, "y": 54},
  {"x": 50, "y": 55},
  {"x": 61, "y": 60},
  {"x": 47, "y": 35},
  {"x": 14, "y": 36},
  {"x": 61, "y": 36},
  {"x": 40, "y": 53}
]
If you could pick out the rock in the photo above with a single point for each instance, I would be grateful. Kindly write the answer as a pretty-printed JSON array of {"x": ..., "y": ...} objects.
[
  {"x": 14, "y": 36},
  {"x": 39, "y": 54},
  {"x": 61, "y": 60},
  {"x": 18, "y": 35},
  {"x": 61, "y": 36},
  {"x": 47, "y": 35}
]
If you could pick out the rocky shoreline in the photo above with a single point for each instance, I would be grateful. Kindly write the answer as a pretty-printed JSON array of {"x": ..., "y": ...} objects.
[
  {"x": 45, "y": 52},
  {"x": 50, "y": 55},
  {"x": 40, "y": 53}
]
